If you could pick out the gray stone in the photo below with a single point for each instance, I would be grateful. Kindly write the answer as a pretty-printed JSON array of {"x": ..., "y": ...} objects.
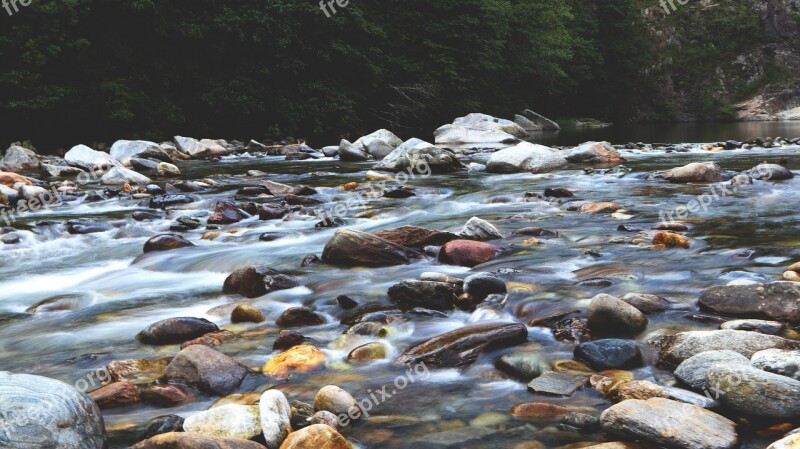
[
  {"x": 648, "y": 303},
  {"x": 18, "y": 159},
  {"x": 122, "y": 150},
  {"x": 674, "y": 349},
  {"x": 695, "y": 172},
  {"x": 42, "y": 413},
  {"x": 523, "y": 366},
  {"x": 609, "y": 315},
  {"x": 479, "y": 229},
  {"x": 276, "y": 417},
  {"x": 418, "y": 156},
  {"x": 227, "y": 421},
  {"x": 544, "y": 123},
  {"x": 88, "y": 159},
  {"x": 121, "y": 175},
  {"x": 765, "y": 327},
  {"x": 785, "y": 363},
  {"x": 206, "y": 369},
  {"x": 479, "y": 128},
  {"x": 333, "y": 399},
  {"x": 770, "y": 172},
  {"x": 557, "y": 384},
  {"x": 775, "y": 301},
  {"x": 351, "y": 153},
  {"x": 751, "y": 391},
  {"x": 525, "y": 157},
  {"x": 694, "y": 370}
]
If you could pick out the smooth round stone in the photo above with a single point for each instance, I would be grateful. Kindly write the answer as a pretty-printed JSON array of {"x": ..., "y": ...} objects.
[
  {"x": 693, "y": 371},
  {"x": 612, "y": 316},
  {"x": 524, "y": 366},
  {"x": 163, "y": 424},
  {"x": 227, "y": 421},
  {"x": 368, "y": 352},
  {"x": 316, "y": 436},
  {"x": 481, "y": 285},
  {"x": 276, "y": 415},
  {"x": 335, "y": 400},
  {"x": 609, "y": 354},
  {"x": 245, "y": 313},
  {"x": 751, "y": 391},
  {"x": 765, "y": 327}
]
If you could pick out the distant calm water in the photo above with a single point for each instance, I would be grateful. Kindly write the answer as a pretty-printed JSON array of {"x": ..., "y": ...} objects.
[{"x": 672, "y": 133}]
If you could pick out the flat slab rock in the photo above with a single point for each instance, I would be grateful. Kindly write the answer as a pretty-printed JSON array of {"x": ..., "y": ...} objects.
[
  {"x": 557, "y": 384},
  {"x": 670, "y": 424},
  {"x": 776, "y": 301}
]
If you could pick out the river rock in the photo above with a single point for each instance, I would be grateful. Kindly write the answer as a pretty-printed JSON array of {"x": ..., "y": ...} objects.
[
  {"x": 426, "y": 294},
  {"x": 418, "y": 156},
  {"x": 228, "y": 421},
  {"x": 557, "y": 383},
  {"x": 539, "y": 411},
  {"x": 480, "y": 285},
  {"x": 211, "y": 339},
  {"x": 166, "y": 242},
  {"x": 648, "y": 304},
  {"x": 298, "y": 359},
  {"x": 225, "y": 212},
  {"x": 44, "y": 413},
  {"x": 791, "y": 441},
  {"x": 19, "y": 159},
  {"x": 299, "y": 316},
  {"x": 523, "y": 366},
  {"x": 479, "y": 229},
  {"x": 416, "y": 237},
  {"x": 88, "y": 159},
  {"x": 245, "y": 313},
  {"x": 335, "y": 400},
  {"x": 187, "y": 440},
  {"x": 595, "y": 152},
  {"x": 671, "y": 240},
  {"x": 165, "y": 201},
  {"x": 674, "y": 349},
  {"x": 467, "y": 253},
  {"x": 609, "y": 315},
  {"x": 198, "y": 149},
  {"x": 535, "y": 122},
  {"x": 166, "y": 395},
  {"x": 255, "y": 281},
  {"x": 276, "y": 417},
  {"x": 175, "y": 330},
  {"x": 525, "y": 157},
  {"x": 123, "y": 150},
  {"x": 463, "y": 346},
  {"x": 351, "y": 247},
  {"x": 609, "y": 354},
  {"x": 116, "y": 394},
  {"x": 9, "y": 179},
  {"x": 751, "y": 391},
  {"x": 775, "y": 301},
  {"x": 695, "y": 172},
  {"x": 316, "y": 436},
  {"x": 368, "y": 352},
  {"x": 352, "y": 153},
  {"x": 770, "y": 172},
  {"x": 206, "y": 369},
  {"x": 479, "y": 128},
  {"x": 670, "y": 424},
  {"x": 379, "y": 144},
  {"x": 121, "y": 175},
  {"x": 61, "y": 171},
  {"x": 785, "y": 363},
  {"x": 765, "y": 327},
  {"x": 163, "y": 424},
  {"x": 694, "y": 370}
]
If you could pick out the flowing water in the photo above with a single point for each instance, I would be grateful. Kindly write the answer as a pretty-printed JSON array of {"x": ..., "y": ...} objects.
[{"x": 115, "y": 291}]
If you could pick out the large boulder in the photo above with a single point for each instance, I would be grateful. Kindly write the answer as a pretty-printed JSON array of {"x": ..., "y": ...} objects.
[
  {"x": 18, "y": 159},
  {"x": 418, "y": 156},
  {"x": 694, "y": 370},
  {"x": 479, "y": 128},
  {"x": 88, "y": 159},
  {"x": 187, "y": 440},
  {"x": 416, "y": 237},
  {"x": 378, "y": 144},
  {"x": 209, "y": 371},
  {"x": 674, "y": 349},
  {"x": 121, "y": 175},
  {"x": 351, "y": 247},
  {"x": 351, "y": 153},
  {"x": 525, "y": 157},
  {"x": 532, "y": 121},
  {"x": 123, "y": 150},
  {"x": 199, "y": 149},
  {"x": 670, "y": 424},
  {"x": 776, "y": 301},
  {"x": 463, "y": 346},
  {"x": 39, "y": 413},
  {"x": 695, "y": 172},
  {"x": 595, "y": 153},
  {"x": 770, "y": 172}
]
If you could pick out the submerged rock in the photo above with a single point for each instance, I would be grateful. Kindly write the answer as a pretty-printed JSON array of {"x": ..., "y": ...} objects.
[
  {"x": 426, "y": 294},
  {"x": 670, "y": 424},
  {"x": 695, "y": 172},
  {"x": 357, "y": 248},
  {"x": 175, "y": 330},
  {"x": 525, "y": 157},
  {"x": 770, "y": 172},
  {"x": 557, "y": 384},
  {"x": 776, "y": 301},
  {"x": 116, "y": 394},
  {"x": 44, "y": 413},
  {"x": 207, "y": 370},
  {"x": 463, "y": 346}
]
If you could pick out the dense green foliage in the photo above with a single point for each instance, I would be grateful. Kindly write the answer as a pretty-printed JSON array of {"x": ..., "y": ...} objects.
[{"x": 96, "y": 70}]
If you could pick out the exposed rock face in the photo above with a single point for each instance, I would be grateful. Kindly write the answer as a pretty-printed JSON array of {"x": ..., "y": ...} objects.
[
  {"x": 418, "y": 156},
  {"x": 531, "y": 121},
  {"x": 671, "y": 424},
  {"x": 351, "y": 247},
  {"x": 121, "y": 175},
  {"x": 674, "y": 349},
  {"x": 479, "y": 128},
  {"x": 122, "y": 150},
  {"x": 41, "y": 413},
  {"x": 18, "y": 159},
  {"x": 695, "y": 172},
  {"x": 463, "y": 346},
  {"x": 206, "y": 369},
  {"x": 525, "y": 157},
  {"x": 777, "y": 301},
  {"x": 751, "y": 391}
]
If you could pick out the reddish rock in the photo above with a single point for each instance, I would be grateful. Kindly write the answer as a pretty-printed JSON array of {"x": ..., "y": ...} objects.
[
  {"x": 467, "y": 253},
  {"x": 211, "y": 339},
  {"x": 316, "y": 436},
  {"x": 117, "y": 394},
  {"x": 225, "y": 212},
  {"x": 416, "y": 237},
  {"x": 166, "y": 395},
  {"x": 539, "y": 411},
  {"x": 166, "y": 242}
]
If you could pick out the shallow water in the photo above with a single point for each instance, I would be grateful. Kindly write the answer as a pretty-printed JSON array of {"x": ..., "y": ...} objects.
[{"x": 119, "y": 291}]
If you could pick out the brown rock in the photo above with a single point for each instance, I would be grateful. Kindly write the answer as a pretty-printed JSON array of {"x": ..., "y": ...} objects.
[
  {"x": 600, "y": 208},
  {"x": 9, "y": 179},
  {"x": 166, "y": 242},
  {"x": 166, "y": 395},
  {"x": 299, "y": 316},
  {"x": 638, "y": 389},
  {"x": 211, "y": 339},
  {"x": 467, "y": 253},
  {"x": 316, "y": 436},
  {"x": 186, "y": 440},
  {"x": 539, "y": 411},
  {"x": 225, "y": 212},
  {"x": 255, "y": 281},
  {"x": 299, "y": 359},
  {"x": 368, "y": 352},
  {"x": 350, "y": 247},
  {"x": 416, "y": 237},
  {"x": 206, "y": 369},
  {"x": 671, "y": 240},
  {"x": 245, "y": 313},
  {"x": 117, "y": 394},
  {"x": 670, "y": 226},
  {"x": 137, "y": 371},
  {"x": 606, "y": 381}
]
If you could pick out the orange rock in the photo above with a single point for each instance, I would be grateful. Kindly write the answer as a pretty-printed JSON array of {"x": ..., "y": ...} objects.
[
  {"x": 316, "y": 436},
  {"x": 299, "y": 359},
  {"x": 606, "y": 381},
  {"x": 116, "y": 395},
  {"x": 600, "y": 208},
  {"x": 350, "y": 186},
  {"x": 539, "y": 411},
  {"x": 638, "y": 389},
  {"x": 671, "y": 240},
  {"x": 9, "y": 179}
]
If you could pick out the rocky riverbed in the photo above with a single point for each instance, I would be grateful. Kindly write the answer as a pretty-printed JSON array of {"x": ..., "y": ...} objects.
[{"x": 380, "y": 293}]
